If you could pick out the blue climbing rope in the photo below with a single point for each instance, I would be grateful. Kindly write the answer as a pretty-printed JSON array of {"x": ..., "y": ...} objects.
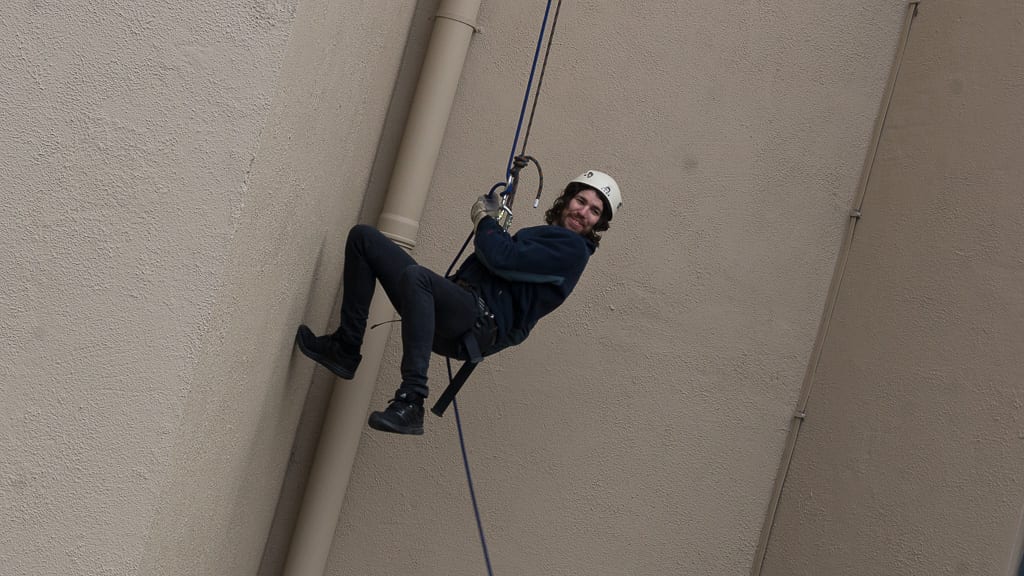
[
  {"x": 529, "y": 85},
  {"x": 508, "y": 177},
  {"x": 469, "y": 480}
]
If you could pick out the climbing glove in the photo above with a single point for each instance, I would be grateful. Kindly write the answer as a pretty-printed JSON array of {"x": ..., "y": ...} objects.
[{"x": 486, "y": 205}]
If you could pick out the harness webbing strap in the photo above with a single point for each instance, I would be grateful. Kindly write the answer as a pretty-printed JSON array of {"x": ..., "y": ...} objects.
[{"x": 453, "y": 388}]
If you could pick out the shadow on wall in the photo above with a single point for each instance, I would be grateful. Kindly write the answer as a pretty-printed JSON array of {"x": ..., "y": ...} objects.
[
  {"x": 1020, "y": 564},
  {"x": 275, "y": 551}
]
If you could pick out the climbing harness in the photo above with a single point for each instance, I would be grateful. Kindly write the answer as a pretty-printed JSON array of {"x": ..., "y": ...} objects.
[{"x": 507, "y": 192}]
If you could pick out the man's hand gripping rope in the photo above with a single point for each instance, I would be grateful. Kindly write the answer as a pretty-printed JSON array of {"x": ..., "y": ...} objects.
[{"x": 498, "y": 205}]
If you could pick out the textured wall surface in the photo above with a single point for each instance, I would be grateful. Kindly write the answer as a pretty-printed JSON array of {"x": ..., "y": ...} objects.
[
  {"x": 909, "y": 461},
  {"x": 639, "y": 429},
  {"x": 176, "y": 181}
]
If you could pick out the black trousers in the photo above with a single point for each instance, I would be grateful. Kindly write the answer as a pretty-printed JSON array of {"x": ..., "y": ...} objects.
[{"x": 431, "y": 306}]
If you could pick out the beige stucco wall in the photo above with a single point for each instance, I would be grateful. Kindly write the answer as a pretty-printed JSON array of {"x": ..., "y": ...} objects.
[
  {"x": 910, "y": 458},
  {"x": 638, "y": 431},
  {"x": 176, "y": 180}
]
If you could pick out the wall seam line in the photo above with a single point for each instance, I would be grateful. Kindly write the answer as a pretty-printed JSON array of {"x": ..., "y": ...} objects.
[{"x": 800, "y": 414}]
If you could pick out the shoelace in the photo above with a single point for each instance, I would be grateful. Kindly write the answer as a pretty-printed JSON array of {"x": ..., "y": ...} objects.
[{"x": 406, "y": 402}]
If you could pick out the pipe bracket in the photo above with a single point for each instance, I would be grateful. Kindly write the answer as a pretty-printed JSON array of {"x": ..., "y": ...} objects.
[{"x": 459, "y": 19}]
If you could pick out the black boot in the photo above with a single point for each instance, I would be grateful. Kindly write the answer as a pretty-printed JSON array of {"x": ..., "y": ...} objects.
[
  {"x": 328, "y": 352},
  {"x": 404, "y": 415}
]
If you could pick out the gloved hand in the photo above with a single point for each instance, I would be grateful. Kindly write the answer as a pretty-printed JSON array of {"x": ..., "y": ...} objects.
[{"x": 486, "y": 205}]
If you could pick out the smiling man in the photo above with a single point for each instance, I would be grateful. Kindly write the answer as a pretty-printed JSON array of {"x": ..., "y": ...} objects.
[{"x": 492, "y": 302}]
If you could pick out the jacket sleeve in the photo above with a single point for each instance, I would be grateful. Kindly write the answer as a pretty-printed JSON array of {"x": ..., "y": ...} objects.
[{"x": 547, "y": 256}]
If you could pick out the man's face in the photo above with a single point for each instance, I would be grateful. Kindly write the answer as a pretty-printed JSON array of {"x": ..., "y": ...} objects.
[{"x": 582, "y": 211}]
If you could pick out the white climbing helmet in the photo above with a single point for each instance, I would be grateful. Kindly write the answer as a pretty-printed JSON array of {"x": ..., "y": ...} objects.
[{"x": 604, "y": 184}]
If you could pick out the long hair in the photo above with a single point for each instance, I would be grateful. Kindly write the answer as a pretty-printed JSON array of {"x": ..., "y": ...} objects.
[{"x": 555, "y": 212}]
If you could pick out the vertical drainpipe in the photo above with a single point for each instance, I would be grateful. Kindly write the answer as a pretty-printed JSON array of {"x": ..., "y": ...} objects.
[{"x": 454, "y": 25}]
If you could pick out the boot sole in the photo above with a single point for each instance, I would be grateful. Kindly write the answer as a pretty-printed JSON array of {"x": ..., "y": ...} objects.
[
  {"x": 337, "y": 369},
  {"x": 377, "y": 422}
]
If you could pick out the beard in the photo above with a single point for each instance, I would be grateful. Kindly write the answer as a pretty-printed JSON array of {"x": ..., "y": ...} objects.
[{"x": 567, "y": 221}]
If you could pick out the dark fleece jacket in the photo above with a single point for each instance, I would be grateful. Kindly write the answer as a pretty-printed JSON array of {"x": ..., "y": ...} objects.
[{"x": 524, "y": 277}]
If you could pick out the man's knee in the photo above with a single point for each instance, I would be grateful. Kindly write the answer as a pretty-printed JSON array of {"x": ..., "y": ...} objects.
[
  {"x": 363, "y": 236},
  {"x": 359, "y": 232}
]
